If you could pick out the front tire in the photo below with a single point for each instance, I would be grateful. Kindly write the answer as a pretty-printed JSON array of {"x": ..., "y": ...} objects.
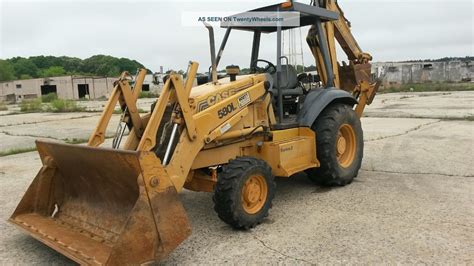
[
  {"x": 339, "y": 146},
  {"x": 244, "y": 192}
]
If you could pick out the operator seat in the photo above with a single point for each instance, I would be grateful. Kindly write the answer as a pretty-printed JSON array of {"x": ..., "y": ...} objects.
[
  {"x": 290, "y": 89},
  {"x": 288, "y": 82}
]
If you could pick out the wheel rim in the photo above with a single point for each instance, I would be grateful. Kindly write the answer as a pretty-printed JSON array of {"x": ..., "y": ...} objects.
[
  {"x": 346, "y": 145},
  {"x": 254, "y": 194}
]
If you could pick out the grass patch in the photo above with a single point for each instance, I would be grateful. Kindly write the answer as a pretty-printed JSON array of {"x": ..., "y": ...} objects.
[
  {"x": 147, "y": 94},
  {"x": 3, "y": 106},
  {"x": 49, "y": 97},
  {"x": 101, "y": 98},
  {"x": 422, "y": 87},
  {"x": 16, "y": 151},
  {"x": 30, "y": 106},
  {"x": 53, "y": 104},
  {"x": 140, "y": 110},
  {"x": 75, "y": 141},
  {"x": 64, "y": 106},
  {"x": 84, "y": 99}
]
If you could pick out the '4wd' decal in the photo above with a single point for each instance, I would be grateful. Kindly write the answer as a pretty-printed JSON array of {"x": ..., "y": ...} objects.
[{"x": 244, "y": 99}]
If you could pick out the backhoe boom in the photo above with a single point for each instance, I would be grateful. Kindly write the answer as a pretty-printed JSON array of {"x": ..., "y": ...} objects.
[{"x": 354, "y": 77}]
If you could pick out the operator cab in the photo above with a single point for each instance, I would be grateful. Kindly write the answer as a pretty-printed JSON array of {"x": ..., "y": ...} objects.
[
  {"x": 292, "y": 89},
  {"x": 286, "y": 86}
]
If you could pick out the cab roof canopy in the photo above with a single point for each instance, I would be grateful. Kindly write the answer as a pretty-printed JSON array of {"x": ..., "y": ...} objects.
[{"x": 308, "y": 16}]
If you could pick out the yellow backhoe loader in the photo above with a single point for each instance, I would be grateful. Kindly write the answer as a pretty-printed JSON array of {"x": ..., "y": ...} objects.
[{"x": 120, "y": 205}]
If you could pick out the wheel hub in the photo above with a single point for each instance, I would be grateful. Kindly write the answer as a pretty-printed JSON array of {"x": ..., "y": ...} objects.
[
  {"x": 341, "y": 145},
  {"x": 254, "y": 194},
  {"x": 346, "y": 145}
]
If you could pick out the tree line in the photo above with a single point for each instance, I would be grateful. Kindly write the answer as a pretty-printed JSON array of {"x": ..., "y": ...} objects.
[{"x": 51, "y": 66}]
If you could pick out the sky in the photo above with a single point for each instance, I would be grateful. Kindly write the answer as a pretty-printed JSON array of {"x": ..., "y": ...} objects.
[{"x": 152, "y": 32}]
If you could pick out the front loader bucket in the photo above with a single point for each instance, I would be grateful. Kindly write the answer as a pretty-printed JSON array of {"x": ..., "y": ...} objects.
[{"x": 102, "y": 206}]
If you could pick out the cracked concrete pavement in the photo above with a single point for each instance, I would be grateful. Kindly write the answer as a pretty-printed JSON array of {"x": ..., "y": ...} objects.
[
  {"x": 411, "y": 203},
  {"x": 22, "y": 133},
  {"x": 441, "y": 105}
]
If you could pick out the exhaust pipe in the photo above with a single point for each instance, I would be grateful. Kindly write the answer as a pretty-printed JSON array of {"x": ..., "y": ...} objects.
[{"x": 213, "y": 52}]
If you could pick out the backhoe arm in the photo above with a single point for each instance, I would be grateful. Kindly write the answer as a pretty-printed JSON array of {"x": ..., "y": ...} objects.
[
  {"x": 345, "y": 38},
  {"x": 354, "y": 77}
]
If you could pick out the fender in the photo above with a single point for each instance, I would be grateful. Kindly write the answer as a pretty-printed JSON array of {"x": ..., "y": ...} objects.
[{"x": 318, "y": 99}]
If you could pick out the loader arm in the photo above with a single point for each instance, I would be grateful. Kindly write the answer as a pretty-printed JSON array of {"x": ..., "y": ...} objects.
[
  {"x": 354, "y": 77},
  {"x": 99, "y": 205},
  {"x": 197, "y": 128},
  {"x": 192, "y": 127}
]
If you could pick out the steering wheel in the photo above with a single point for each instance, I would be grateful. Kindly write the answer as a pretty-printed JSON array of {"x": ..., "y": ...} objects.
[{"x": 270, "y": 68}]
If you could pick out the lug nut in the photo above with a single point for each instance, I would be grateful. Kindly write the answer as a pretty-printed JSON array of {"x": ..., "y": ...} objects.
[{"x": 154, "y": 182}]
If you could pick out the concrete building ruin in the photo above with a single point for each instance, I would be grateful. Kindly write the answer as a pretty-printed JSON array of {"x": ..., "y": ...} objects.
[
  {"x": 394, "y": 74},
  {"x": 66, "y": 87}
]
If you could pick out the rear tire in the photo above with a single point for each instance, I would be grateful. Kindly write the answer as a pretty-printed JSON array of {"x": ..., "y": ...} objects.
[
  {"x": 339, "y": 146},
  {"x": 244, "y": 192}
]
